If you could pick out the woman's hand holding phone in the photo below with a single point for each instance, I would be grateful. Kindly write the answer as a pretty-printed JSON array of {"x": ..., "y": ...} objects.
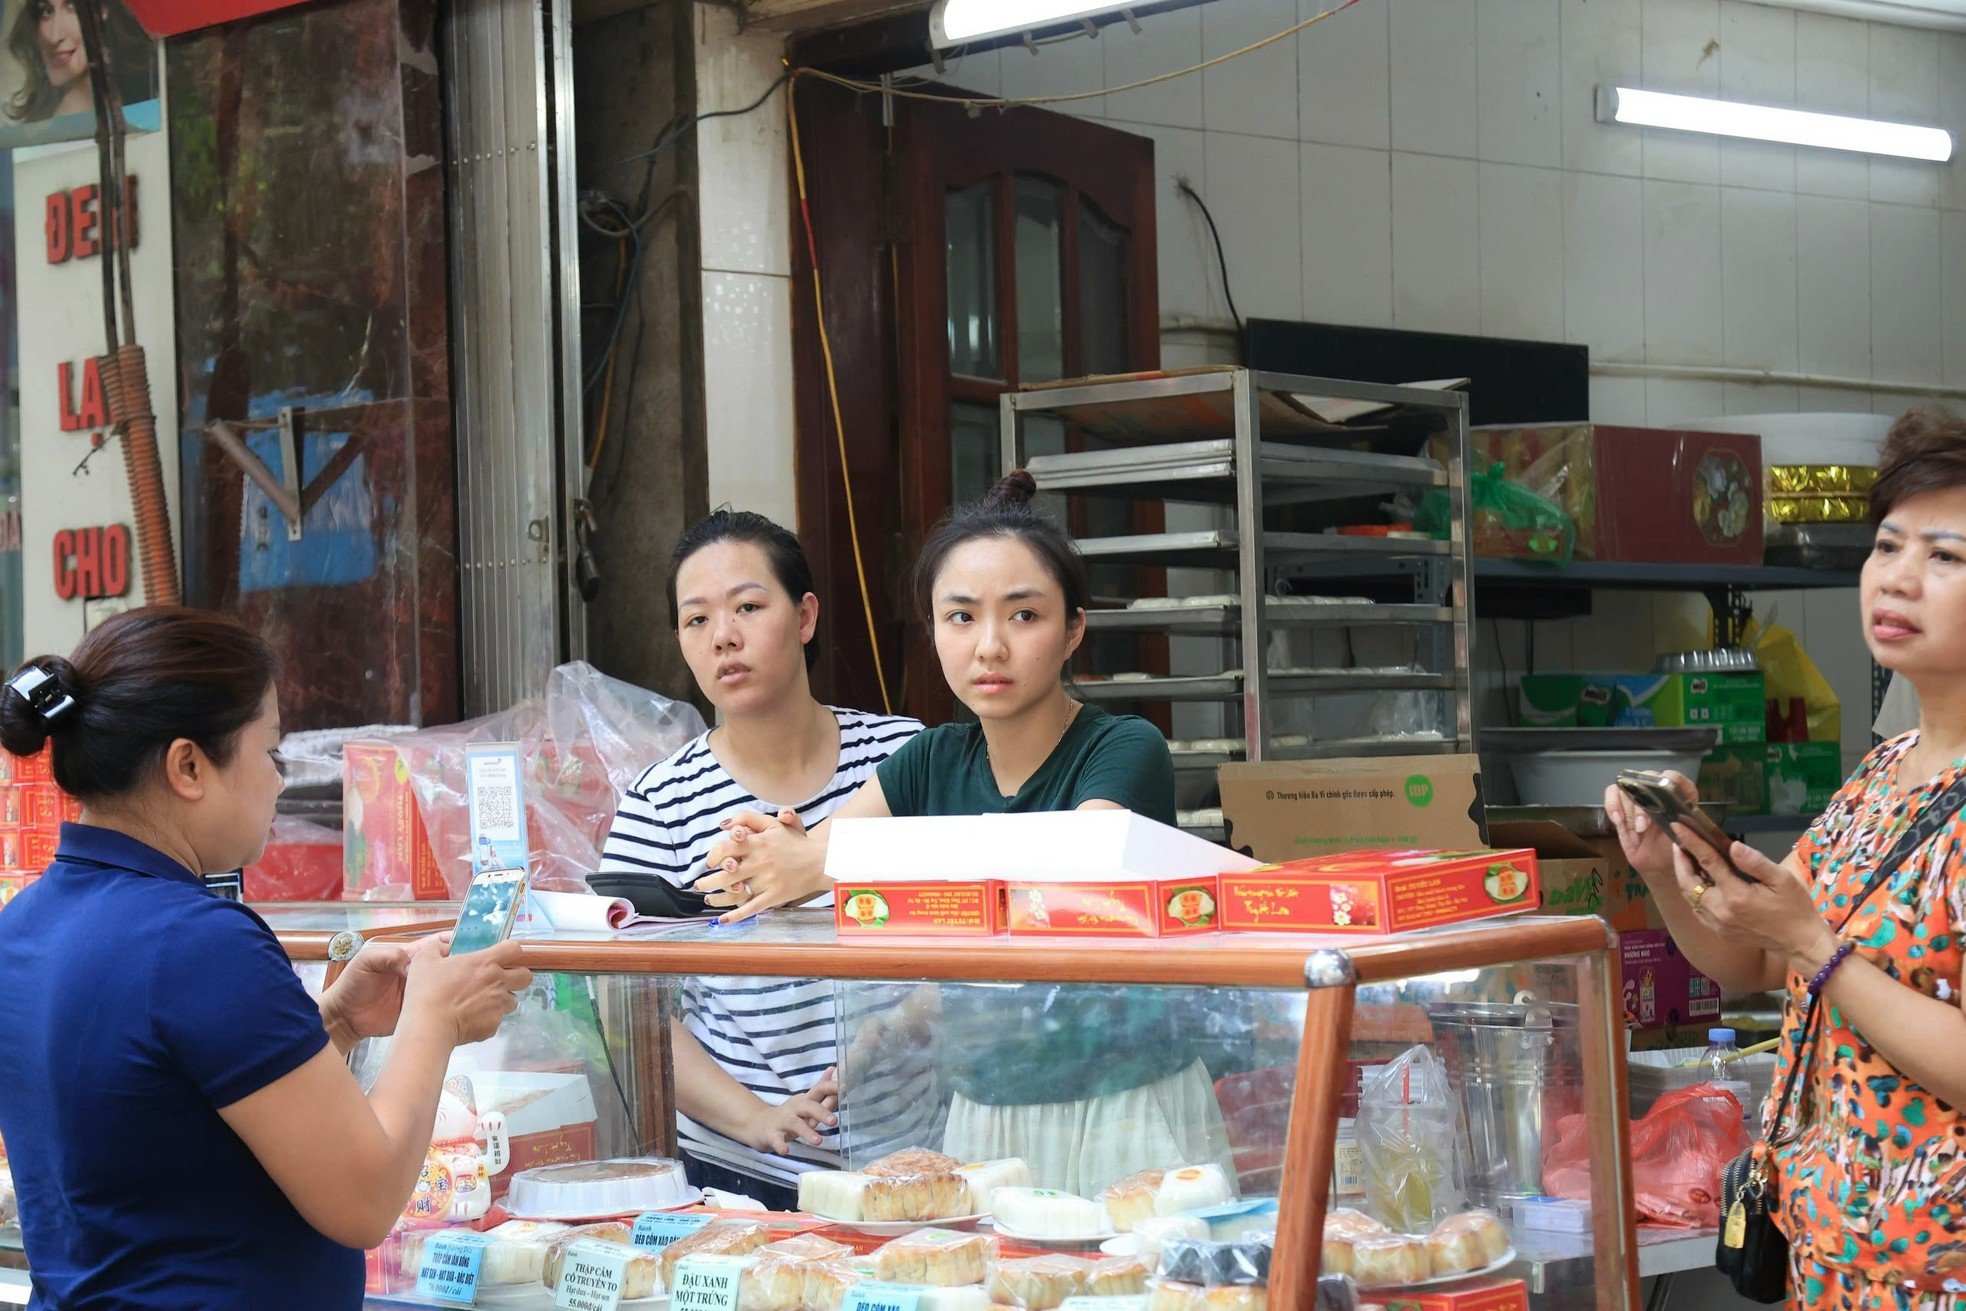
[{"x": 1646, "y": 843}]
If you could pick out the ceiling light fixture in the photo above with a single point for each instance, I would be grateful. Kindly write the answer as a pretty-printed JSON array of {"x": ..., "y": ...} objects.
[
  {"x": 952, "y": 22},
  {"x": 1731, "y": 118}
]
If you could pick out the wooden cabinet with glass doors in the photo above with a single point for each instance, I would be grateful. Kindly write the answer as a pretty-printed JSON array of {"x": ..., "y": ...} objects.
[{"x": 934, "y": 1037}]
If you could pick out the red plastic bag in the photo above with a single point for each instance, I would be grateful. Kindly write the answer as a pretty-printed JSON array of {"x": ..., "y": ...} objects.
[
  {"x": 302, "y": 862},
  {"x": 1678, "y": 1152}
]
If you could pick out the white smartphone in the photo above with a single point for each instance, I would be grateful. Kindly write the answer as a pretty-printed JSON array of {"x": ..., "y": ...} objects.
[{"x": 490, "y": 905}]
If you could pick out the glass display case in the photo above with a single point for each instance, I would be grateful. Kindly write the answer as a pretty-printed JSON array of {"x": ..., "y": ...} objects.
[{"x": 1083, "y": 1059}]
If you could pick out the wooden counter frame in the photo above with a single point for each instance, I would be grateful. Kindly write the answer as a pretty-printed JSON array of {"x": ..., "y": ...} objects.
[{"x": 1328, "y": 968}]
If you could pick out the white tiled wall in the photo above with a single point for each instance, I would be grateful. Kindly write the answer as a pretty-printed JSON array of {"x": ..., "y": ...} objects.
[
  {"x": 745, "y": 209},
  {"x": 1434, "y": 164}
]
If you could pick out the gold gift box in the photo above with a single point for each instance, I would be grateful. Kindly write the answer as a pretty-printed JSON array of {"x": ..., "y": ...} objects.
[
  {"x": 1820, "y": 480},
  {"x": 1818, "y": 509}
]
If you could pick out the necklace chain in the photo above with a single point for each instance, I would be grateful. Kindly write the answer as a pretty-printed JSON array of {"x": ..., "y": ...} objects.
[{"x": 1071, "y": 716}]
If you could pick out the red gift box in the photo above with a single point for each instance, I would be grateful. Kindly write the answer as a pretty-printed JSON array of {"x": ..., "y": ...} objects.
[
  {"x": 928, "y": 908},
  {"x": 1642, "y": 495},
  {"x": 385, "y": 845},
  {"x": 1379, "y": 891},
  {"x": 37, "y": 849},
  {"x": 37, "y": 768},
  {"x": 1472, "y": 1295},
  {"x": 40, "y": 806},
  {"x": 1134, "y": 908}
]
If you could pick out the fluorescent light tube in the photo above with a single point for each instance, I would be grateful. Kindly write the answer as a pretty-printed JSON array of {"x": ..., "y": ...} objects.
[
  {"x": 1731, "y": 118},
  {"x": 953, "y": 22}
]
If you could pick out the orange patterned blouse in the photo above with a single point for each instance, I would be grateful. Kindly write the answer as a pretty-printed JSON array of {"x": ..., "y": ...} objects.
[{"x": 1874, "y": 1181}]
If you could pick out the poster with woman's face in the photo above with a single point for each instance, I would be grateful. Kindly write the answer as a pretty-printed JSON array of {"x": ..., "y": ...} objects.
[{"x": 45, "y": 87}]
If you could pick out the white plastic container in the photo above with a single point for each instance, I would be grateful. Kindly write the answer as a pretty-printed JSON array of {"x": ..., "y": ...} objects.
[
  {"x": 584, "y": 1190},
  {"x": 1578, "y": 778}
]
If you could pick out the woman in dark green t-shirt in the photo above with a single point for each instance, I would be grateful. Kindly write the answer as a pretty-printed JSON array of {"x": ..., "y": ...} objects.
[{"x": 1087, "y": 1084}]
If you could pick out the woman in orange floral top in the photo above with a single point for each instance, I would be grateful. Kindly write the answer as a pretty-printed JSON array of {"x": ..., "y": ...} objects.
[{"x": 1873, "y": 1170}]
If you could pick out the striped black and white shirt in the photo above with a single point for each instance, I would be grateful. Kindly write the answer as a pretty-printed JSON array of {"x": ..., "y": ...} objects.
[{"x": 774, "y": 1036}]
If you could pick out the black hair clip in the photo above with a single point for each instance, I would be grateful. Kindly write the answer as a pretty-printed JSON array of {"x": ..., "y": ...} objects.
[{"x": 43, "y": 694}]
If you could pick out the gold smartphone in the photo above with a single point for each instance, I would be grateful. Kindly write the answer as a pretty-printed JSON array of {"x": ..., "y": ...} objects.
[{"x": 1654, "y": 794}]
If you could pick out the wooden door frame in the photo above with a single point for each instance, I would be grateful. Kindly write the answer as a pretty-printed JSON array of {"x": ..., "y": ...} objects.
[{"x": 896, "y": 289}]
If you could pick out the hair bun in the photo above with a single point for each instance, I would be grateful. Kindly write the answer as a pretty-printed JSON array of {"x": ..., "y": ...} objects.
[
  {"x": 24, "y": 728},
  {"x": 1013, "y": 491}
]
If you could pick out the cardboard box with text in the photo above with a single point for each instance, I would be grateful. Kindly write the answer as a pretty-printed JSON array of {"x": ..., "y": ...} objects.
[{"x": 1290, "y": 810}]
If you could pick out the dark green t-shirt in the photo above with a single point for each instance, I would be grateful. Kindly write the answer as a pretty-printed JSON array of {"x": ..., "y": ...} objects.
[
  {"x": 1037, "y": 1043},
  {"x": 1118, "y": 758}
]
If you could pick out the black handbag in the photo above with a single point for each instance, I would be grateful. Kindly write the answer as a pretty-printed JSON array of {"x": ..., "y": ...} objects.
[{"x": 1752, "y": 1252}]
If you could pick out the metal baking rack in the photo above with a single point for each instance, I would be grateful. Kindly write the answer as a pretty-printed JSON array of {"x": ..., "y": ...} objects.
[{"x": 1244, "y": 442}]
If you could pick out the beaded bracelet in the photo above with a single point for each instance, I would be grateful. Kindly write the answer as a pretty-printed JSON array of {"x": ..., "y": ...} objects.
[{"x": 1837, "y": 957}]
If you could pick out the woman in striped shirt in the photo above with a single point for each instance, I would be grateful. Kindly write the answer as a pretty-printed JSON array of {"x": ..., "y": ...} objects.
[{"x": 755, "y": 1059}]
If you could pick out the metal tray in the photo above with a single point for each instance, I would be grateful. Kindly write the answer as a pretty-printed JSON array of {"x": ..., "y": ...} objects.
[
  {"x": 1227, "y": 619},
  {"x": 1584, "y": 821}
]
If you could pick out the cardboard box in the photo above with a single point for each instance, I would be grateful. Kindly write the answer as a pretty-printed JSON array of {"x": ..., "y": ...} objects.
[
  {"x": 953, "y": 874},
  {"x": 384, "y": 843},
  {"x": 1662, "y": 989},
  {"x": 1642, "y": 495},
  {"x": 1380, "y": 891},
  {"x": 10, "y": 807},
  {"x": 37, "y": 768},
  {"x": 10, "y": 849},
  {"x": 1469, "y": 1295},
  {"x": 1147, "y": 908},
  {"x": 1732, "y": 702},
  {"x": 1580, "y": 875},
  {"x": 1289, "y": 810},
  {"x": 1803, "y": 777},
  {"x": 549, "y": 1117},
  {"x": 1737, "y": 776}
]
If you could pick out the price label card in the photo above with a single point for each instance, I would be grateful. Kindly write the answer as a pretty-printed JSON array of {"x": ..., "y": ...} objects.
[
  {"x": 1123, "y": 1302},
  {"x": 876, "y": 1295},
  {"x": 450, "y": 1266},
  {"x": 657, "y": 1229},
  {"x": 591, "y": 1276},
  {"x": 706, "y": 1283}
]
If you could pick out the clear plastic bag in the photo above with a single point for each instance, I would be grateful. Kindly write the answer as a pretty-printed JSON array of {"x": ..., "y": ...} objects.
[
  {"x": 583, "y": 746},
  {"x": 1412, "y": 1142}
]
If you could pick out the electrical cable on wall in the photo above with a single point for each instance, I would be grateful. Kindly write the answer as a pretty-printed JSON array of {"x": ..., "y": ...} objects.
[
  {"x": 1221, "y": 256},
  {"x": 833, "y": 396},
  {"x": 669, "y": 137}
]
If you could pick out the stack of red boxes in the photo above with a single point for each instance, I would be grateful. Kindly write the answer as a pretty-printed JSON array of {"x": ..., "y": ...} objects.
[{"x": 32, "y": 809}]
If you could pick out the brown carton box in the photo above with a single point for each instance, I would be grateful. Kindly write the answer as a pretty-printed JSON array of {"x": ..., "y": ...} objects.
[
  {"x": 1290, "y": 810},
  {"x": 1580, "y": 875}
]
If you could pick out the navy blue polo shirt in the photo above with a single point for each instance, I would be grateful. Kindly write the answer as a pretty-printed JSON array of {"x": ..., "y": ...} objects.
[{"x": 137, "y": 1004}]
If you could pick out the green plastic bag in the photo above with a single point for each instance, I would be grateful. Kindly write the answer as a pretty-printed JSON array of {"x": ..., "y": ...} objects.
[{"x": 1506, "y": 519}]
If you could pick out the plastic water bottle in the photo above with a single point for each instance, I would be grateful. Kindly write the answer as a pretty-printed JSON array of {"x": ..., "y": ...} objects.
[{"x": 1718, "y": 1064}]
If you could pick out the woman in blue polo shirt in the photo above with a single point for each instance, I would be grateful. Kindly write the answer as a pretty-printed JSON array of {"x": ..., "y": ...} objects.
[{"x": 183, "y": 1127}]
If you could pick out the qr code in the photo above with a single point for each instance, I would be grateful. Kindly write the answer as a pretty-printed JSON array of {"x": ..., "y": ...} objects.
[{"x": 496, "y": 807}]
